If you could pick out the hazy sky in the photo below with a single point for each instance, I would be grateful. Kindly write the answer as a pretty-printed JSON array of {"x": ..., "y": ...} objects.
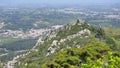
[{"x": 58, "y": 1}]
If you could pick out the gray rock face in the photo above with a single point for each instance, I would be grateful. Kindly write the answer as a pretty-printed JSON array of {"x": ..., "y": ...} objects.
[
  {"x": 52, "y": 48},
  {"x": 81, "y": 34},
  {"x": 55, "y": 44}
]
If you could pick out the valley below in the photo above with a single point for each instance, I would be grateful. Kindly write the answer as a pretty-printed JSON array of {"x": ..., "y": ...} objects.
[{"x": 42, "y": 37}]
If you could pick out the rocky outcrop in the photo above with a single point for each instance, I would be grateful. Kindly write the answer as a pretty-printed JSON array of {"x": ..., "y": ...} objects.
[
  {"x": 55, "y": 44},
  {"x": 53, "y": 47}
]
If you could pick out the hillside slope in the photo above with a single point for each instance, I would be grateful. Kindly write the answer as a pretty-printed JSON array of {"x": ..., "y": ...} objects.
[{"x": 77, "y": 45}]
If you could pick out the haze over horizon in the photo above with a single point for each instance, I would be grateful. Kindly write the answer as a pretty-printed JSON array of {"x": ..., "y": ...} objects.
[{"x": 60, "y": 2}]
